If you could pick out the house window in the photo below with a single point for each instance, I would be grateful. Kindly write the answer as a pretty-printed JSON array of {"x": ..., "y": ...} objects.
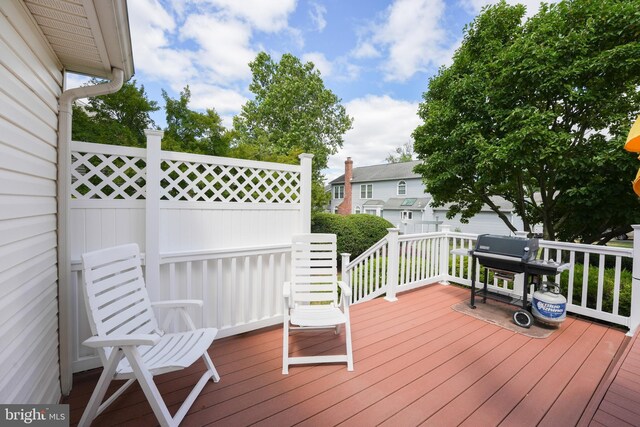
[
  {"x": 402, "y": 188},
  {"x": 335, "y": 210},
  {"x": 366, "y": 191},
  {"x": 373, "y": 212},
  {"x": 357, "y": 209},
  {"x": 338, "y": 192},
  {"x": 406, "y": 215}
]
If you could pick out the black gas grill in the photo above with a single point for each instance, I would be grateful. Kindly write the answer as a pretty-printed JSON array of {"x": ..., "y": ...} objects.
[{"x": 507, "y": 256}]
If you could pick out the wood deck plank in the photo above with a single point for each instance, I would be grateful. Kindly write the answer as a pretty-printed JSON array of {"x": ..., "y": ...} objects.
[
  {"x": 431, "y": 374},
  {"x": 498, "y": 406},
  {"x": 467, "y": 402},
  {"x": 581, "y": 387},
  {"x": 609, "y": 420},
  {"x": 391, "y": 344},
  {"x": 335, "y": 404},
  {"x": 416, "y": 360},
  {"x": 268, "y": 383},
  {"x": 431, "y": 402},
  {"x": 539, "y": 400}
]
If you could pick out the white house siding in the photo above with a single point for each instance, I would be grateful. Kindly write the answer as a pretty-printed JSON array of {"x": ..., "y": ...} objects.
[
  {"x": 381, "y": 190},
  {"x": 31, "y": 84},
  {"x": 485, "y": 222}
]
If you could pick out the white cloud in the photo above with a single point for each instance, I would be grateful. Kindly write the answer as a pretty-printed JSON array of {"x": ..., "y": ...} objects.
[
  {"x": 224, "y": 100},
  {"x": 474, "y": 6},
  {"x": 317, "y": 14},
  {"x": 365, "y": 49},
  {"x": 268, "y": 16},
  {"x": 381, "y": 124},
  {"x": 411, "y": 36},
  {"x": 320, "y": 61},
  {"x": 151, "y": 26},
  {"x": 216, "y": 38},
  {"x": 206, "y": 44}
]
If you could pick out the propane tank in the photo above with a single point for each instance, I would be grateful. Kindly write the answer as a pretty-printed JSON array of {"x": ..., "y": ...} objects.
[{"x": 548, "y": 305}]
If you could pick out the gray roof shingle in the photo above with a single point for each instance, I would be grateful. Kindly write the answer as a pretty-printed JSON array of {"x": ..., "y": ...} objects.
[{"x": 389, "y": 171}]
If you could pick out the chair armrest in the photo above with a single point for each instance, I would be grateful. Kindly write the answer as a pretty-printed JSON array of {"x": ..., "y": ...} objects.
[
  {"x": 178, "y": 303},
  {"x": 346, "y": 290},
  {"x": 286, "y": 289},
  {"x": 122, "y": 340}
]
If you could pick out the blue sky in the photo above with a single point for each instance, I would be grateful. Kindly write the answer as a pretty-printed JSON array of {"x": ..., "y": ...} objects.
[{"x": 376, "y": 55}]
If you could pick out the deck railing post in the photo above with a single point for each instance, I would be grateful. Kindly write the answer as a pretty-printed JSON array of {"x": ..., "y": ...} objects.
[
  {"x": 394, "y": 264},
  {"x": 305, "y": 191},
  {"x": 152, "y": 213},
  {"x": 346, "y": 258},
  {"x": 634, "y": 317},
  {"x": 444, "y": 255}
]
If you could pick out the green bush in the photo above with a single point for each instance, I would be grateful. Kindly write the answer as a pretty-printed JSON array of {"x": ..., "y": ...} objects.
[{"x": 356, "y": 233}]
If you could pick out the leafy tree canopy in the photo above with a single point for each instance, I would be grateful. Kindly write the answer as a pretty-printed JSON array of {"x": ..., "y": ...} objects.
[
  {"x": 537, "y": 112},
  {"x": 292, "y": 111},
  {"x": 193, "y": 132},
  {"x": 401, "y": 154},
  {"x": 118, "y": 118}
]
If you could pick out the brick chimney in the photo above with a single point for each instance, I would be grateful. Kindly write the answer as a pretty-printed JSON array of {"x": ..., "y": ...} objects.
[{"x": 345, "y": 206}]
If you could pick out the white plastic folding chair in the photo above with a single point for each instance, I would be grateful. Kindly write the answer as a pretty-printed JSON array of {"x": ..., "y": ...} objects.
[
  {"x": 127, "y": 337},
  {"x": 311, "y": 298}
]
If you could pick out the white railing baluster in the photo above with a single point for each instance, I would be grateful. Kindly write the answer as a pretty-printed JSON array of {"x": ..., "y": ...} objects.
[
  {"x": 585, "y": 279},
  {"x": 572, "y": 269},
  {"x": 600, "y": 283},
  {"x": 206, "y": 294},
  {"x": 616, "y": 285},
  {"x": 220, "y": 295}
]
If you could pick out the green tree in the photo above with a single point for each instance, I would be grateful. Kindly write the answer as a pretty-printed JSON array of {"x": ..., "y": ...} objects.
[
  {"x": 536, "y": 112},
  {"x": 118, "y": 118},
  {"x": 292, "y": 112},
  {"x": 193, "y": 132},
  {"x": 401, "y": 154}
]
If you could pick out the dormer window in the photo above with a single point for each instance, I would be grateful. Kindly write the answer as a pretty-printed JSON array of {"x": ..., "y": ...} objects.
[{"x": 402, "y": 188}]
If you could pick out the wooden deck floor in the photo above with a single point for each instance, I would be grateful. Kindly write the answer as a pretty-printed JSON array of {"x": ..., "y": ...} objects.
[
  {"x": 417, "y": 362},
  {"x": 617, "y": 402}
]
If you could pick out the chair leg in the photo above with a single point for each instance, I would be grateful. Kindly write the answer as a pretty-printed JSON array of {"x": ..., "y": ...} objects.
[
  {"x": 207, "y": 361},
  {"x": 101, "y": 388},
  {"x": 149, "y": 387},
  {"x": 285, "y": 347},
  {"x": 347, "y": 328}
]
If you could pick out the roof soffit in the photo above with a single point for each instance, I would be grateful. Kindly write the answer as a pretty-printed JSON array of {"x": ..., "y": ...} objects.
[{"x": 88, "y": 36}]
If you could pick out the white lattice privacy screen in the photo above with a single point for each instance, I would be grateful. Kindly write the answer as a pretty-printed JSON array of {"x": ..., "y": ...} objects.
[
  {"x": 210, "y": 227},
  {"x": 202, "y": 182},
  {"x": 104, "y": 176},
  {"x": 119, "y": 173}
]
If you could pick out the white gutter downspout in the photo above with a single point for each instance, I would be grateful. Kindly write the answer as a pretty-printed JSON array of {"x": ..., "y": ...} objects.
[{"x": 64, "y": 196}]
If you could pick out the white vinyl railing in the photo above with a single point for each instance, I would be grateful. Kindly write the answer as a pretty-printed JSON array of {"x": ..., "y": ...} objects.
[
  {"x": 367, "y": 274},
  {"x": 395, "y": 264},
  {"x": 598, "y": 282},
  {"x": 241, "y": 290}
]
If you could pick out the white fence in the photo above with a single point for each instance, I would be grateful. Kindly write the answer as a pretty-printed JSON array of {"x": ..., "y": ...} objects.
[
  {"x": 212, "y": 228},
  {"x": 598, "y": 282}
]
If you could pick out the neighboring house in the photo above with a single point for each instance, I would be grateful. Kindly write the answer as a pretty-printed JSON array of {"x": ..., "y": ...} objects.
[
  {"x": 395, "y": 192},
  {"x": 42, "y": 40}
]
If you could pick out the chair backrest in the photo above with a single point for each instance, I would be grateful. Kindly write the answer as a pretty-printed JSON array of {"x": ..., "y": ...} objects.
[
  {"x": 314, "y": 269},
  {"x": 115, "y": 295}
]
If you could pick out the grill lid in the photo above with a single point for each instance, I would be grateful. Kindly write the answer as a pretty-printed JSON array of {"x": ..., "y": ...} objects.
[{"x": 519, "y": 248}]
